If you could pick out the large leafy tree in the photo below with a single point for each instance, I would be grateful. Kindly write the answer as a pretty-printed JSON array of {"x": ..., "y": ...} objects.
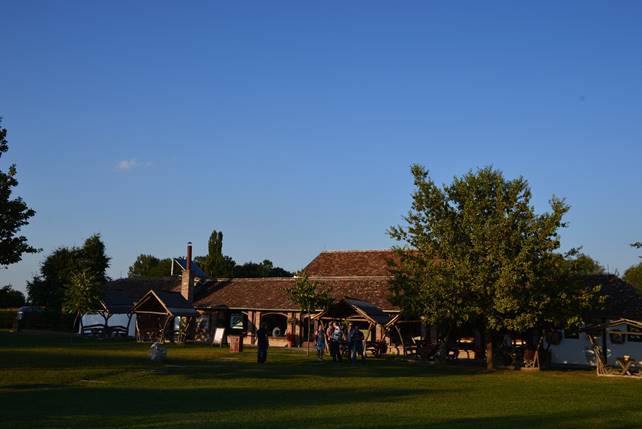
[
  {"x": 14, "y": 214},
  {"x": 57, "y": 270},
  {"x": 308, "y": 295},
  {"x": 475, "y": 251}
]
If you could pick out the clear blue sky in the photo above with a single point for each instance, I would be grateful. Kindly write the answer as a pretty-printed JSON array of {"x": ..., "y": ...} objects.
[{"x": 290, "y": 126}]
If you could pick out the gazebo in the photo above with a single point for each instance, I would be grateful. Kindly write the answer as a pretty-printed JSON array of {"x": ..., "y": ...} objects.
[
  {"x": 626, "y": 365},
  {"x": 162, "y": 316},
  {"x": 366, "y": 316}
]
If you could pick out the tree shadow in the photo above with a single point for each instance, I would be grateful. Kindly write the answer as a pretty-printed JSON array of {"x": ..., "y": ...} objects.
[{"x": 124, "y": 403}]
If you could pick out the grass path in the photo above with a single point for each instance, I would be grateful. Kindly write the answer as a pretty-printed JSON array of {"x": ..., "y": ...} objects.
[{"x": 47, "y": 381}]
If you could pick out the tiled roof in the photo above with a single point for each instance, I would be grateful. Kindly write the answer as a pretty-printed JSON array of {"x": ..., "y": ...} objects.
[
  {"x": 269, "y": 293},
  {"x": 350, "y": 263},
  {"x": 124, "y": 292}
]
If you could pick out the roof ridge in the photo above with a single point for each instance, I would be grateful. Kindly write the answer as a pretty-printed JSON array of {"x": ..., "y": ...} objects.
[
  {"x": 349, "y": 277},
  {"x": 357, "y": 251},
  {"x": 223, "y": 279}
]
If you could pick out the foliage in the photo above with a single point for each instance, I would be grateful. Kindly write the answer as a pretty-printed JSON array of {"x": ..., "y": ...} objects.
[
  {"x": 476, "y": 251},
  {"x": 307, "y": 295},
  {"x": 582, "y": 264},
  {"x": 10, "y": 298},
  {"x": 14, "y": 214},
  {"x": 633, "y": 275},
  {"x": 83, "y": 293},
  {"x": 150, "y": 266},
  {"x": 214, "y": 264},
  {"x": 56, "y": 272},
  {"x": 263, "y": 269}
]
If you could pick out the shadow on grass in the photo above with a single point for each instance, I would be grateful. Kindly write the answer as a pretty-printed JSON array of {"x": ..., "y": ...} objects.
[
  {"x": 214, "y": 365},
  {"x": 281, "y": 408},
  {"x": 18, "y": 405}
]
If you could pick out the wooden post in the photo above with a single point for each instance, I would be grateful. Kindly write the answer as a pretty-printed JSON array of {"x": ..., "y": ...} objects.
[{"x": 604, "y": 343}]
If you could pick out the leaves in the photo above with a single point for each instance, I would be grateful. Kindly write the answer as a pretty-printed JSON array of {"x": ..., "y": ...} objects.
[
  {"x": 475, "y": 250},
  {"x": 14, "y": 214},
  {"x": 57, "y": 270},
  {"x": 306, "y": 294},
  {"x": 83, "y": 293}
]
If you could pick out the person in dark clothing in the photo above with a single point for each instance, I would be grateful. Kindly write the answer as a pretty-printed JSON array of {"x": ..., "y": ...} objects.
[{"x": 263, "y": 343}]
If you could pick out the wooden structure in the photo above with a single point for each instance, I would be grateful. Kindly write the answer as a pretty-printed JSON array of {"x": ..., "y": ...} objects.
[
  {"x": 369, "y": 318},
  {"x": 114, "y": 302},
  {"x": 163, "y": 316},
  {"x": 626, "y": 366}
]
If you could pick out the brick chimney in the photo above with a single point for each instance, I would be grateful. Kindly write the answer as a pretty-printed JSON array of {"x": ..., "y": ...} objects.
[{"x": 187, "y": 278}]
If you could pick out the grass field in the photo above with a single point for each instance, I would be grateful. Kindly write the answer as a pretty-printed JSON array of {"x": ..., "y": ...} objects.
[{"x": 47, "y": 381}]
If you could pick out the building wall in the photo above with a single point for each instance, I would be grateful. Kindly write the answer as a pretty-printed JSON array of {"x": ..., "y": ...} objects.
[{"x": 579, "y": 351}]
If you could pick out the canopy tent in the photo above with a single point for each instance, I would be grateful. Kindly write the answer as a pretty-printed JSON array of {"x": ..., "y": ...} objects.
[{"x": 154, "y": 312}]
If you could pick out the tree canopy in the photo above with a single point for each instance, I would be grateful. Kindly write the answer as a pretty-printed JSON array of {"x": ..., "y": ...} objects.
[
  {"x": 308, "y": 295},
  {"x": 58, "y": 269},
  {"x": 475, "y": 251},
  {"x": 215, "y": 264},
  {"x": 633, "y": 275},
  {"x": 14, "y": 214},
  {"x": 150, "y": 266},
  {"x": 83, "y": 293},
  {"x": 582, "y": 264},
  {"x": 10, "y": 298}
]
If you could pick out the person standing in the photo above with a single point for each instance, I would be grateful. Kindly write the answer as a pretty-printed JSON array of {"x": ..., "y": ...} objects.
[
  {"x": 337, "y": 336},
  {"x": 352, "y": 343},
  {"x": 328, "y": 336},
  {"x": 320, "y": 340},
  {"x": 263, "y": 343}
]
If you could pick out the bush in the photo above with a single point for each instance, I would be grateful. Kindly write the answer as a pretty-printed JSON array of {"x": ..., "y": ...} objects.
[
  {"x": 47, "y": 320},
  {"x": 7, "y": 317}
]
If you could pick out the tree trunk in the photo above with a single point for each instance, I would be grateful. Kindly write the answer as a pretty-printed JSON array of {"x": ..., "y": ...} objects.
[
  {"x": 490, "y": 363},
  {"x": 308, "y": 351},
  {"x": 73, "y": 326}
]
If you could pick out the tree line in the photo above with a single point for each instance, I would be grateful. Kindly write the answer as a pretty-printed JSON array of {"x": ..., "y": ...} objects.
[{"x": 215, "y": 264}]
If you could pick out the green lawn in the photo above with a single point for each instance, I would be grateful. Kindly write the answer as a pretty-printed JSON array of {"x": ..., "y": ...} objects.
[{"x": 47, "y": 381}]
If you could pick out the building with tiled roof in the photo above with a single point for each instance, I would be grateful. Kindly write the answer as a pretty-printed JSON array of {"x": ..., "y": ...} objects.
[{"x": 363, "y": 276}]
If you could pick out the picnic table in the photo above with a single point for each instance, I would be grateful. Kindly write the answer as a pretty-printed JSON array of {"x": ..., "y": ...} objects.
[{"x": 625, "y": 363}]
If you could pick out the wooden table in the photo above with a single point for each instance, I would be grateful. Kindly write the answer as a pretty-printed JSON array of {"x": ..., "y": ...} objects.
[{"x": 625, "y": 364}]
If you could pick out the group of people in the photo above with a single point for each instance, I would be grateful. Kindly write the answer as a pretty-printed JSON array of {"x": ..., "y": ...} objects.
[{"x": 335, "y": 340}]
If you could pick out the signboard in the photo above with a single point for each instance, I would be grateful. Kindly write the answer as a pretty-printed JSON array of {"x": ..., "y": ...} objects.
[
  {"x": 236, "y": 321},
  {"x": 218, "y": 336}
]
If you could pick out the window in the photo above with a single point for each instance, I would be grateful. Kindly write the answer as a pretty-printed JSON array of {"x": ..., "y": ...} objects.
[
  {"x": 635, "y": 338},
  {"x": 616, "y": 337},
  {"x": 277, "y": 324}
]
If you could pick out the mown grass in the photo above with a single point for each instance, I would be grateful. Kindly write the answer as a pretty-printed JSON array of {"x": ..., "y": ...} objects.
[{"x": 48, "y": 381}]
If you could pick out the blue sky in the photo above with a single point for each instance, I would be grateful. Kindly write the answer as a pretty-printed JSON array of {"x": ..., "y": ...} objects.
[{"x": 290, "y": 126}]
